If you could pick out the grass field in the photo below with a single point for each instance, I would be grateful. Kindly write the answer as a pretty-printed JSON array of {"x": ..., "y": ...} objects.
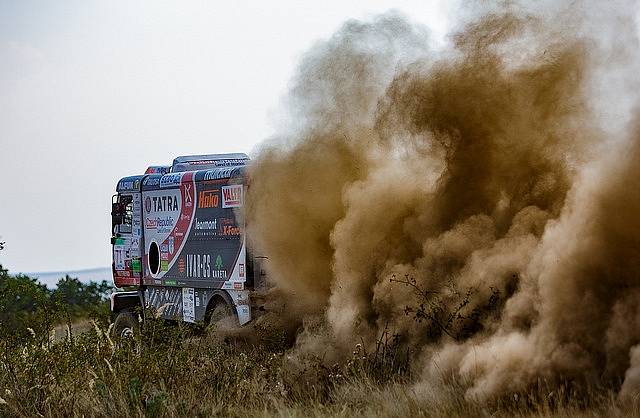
[
  {"x": 58, "y": 359},
  {"x": 172, "y": 370}
]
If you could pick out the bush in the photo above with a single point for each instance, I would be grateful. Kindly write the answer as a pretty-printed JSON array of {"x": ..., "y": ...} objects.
[{"x": 26, "y": 305}]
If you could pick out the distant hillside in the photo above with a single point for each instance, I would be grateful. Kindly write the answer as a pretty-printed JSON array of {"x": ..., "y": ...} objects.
[{"x": 87, "y": 275}]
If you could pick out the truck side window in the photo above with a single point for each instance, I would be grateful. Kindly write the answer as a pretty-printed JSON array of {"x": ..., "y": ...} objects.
[{"x": 126, "y": 203}]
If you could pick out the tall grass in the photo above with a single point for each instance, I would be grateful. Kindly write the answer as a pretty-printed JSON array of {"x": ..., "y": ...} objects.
[{"x": 173, "y": 370}]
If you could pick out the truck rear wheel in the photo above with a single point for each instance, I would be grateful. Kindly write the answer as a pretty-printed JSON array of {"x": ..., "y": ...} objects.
[
  {"x": 126, "y": 325},
  {"x": 220, "y": 313}
]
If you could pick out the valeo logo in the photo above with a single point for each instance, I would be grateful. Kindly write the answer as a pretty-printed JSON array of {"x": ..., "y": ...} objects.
[{"x": 218, "y": 264}]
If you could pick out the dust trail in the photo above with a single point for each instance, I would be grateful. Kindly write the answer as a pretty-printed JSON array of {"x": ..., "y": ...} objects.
[{"x": 495, "y": 177}]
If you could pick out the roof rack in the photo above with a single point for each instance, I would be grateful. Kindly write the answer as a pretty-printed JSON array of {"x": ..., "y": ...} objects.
[{"x": 203, "y": 162}]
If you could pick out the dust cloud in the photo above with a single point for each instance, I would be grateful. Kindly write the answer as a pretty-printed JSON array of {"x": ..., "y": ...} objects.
[{"x": 478, "y": 200}]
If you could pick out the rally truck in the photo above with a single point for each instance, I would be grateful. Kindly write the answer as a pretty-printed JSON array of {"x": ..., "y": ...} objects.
[{"x": 179, "y": 244}]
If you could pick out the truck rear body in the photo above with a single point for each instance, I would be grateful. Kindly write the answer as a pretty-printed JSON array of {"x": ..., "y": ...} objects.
[{"x": 179, "y": 240}]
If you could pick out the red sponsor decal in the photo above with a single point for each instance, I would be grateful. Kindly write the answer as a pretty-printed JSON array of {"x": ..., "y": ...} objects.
[
  {"x": 181, "y": 265},
  {"x": 232, "y": 196},
  {"x": 187, "y": 194}
]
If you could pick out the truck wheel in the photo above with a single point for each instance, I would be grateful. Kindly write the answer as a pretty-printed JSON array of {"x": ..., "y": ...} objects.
[
  {"x": 221, "y": 314},
  {"x": 126, "y": 325}
]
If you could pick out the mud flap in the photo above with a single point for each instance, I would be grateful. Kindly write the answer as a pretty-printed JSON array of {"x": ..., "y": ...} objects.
[{"x": 241, "y": 302}]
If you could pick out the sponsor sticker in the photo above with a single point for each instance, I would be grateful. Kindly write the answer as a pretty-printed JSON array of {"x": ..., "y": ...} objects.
[
  {"x": 231, "y": 231},
  {"x": 128, "y": 184},
  {"x": 151, "y": 181},
  {"x": 181, "y": 265},
  {"x": 199, "y": 266},
  {"x": 188, "y": 195},
  {"x": 206, "y": 224},
  {"x": 229, "y": 228},
  {"x": 232, "y": 196},
  {"x": 208, "y": 199},
  {"x": 188, "y": 304},
  {"x": 218, "y": 174},
  {"x": 160, "y": 224},
  {"x": 169, "y": 180},
  {"x": 166, "y": 203}
]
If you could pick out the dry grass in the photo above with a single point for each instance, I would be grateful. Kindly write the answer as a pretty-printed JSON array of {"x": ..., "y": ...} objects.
[{"x": 171, "y": 371}]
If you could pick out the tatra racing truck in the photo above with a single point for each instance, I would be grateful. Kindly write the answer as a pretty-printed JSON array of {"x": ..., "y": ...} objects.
[{"x": 179, "y": 245}]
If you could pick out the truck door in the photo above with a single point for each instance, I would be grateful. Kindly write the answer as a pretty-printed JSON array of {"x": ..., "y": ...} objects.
[{"x": 126, "y": 236}]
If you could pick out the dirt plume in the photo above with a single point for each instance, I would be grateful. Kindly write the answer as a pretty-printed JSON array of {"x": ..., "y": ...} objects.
[{"x": 476, "y": 200}]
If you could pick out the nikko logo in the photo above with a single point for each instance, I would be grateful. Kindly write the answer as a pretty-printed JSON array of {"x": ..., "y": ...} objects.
[
  {"x": 162, "y": 204},
  {"x": 208, "y": 199},
  {"x": 232, "y": 196}
]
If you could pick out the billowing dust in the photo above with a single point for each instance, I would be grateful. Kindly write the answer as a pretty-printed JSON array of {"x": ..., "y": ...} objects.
[{"x": 479, "y": 200}]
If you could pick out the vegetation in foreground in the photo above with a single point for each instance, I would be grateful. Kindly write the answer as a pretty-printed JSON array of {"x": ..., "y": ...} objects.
[{"x": 175, "y": 370}]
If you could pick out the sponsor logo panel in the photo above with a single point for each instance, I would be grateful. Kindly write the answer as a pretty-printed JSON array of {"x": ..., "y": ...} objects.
[
  {"x": 151, "y": 181},
  {"x": 208, "y": 199},
  {"x": 161, "y": 225},
  {"x": 232, "y": 196},
  {"x": 187, "y": 194},
  {"x": 169, "y": 180},
  {"x": 203, "y": 266},
  {"x": 218, "y": 174},
  {"x": 129, "y": 184}
]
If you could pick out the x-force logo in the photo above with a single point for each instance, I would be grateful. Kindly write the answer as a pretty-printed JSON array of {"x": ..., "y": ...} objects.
[
  {"x": 188, "y": 197},
  {"x": 147, "y": 204}
]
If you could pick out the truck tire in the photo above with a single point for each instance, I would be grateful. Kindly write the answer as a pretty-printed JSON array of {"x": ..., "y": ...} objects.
[
  {"x": 126, "y": 325},
  {"x": 221, "y": 313}
]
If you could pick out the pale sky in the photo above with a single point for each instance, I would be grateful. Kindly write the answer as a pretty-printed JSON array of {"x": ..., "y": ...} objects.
[{"x": 93, "y": 91}]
